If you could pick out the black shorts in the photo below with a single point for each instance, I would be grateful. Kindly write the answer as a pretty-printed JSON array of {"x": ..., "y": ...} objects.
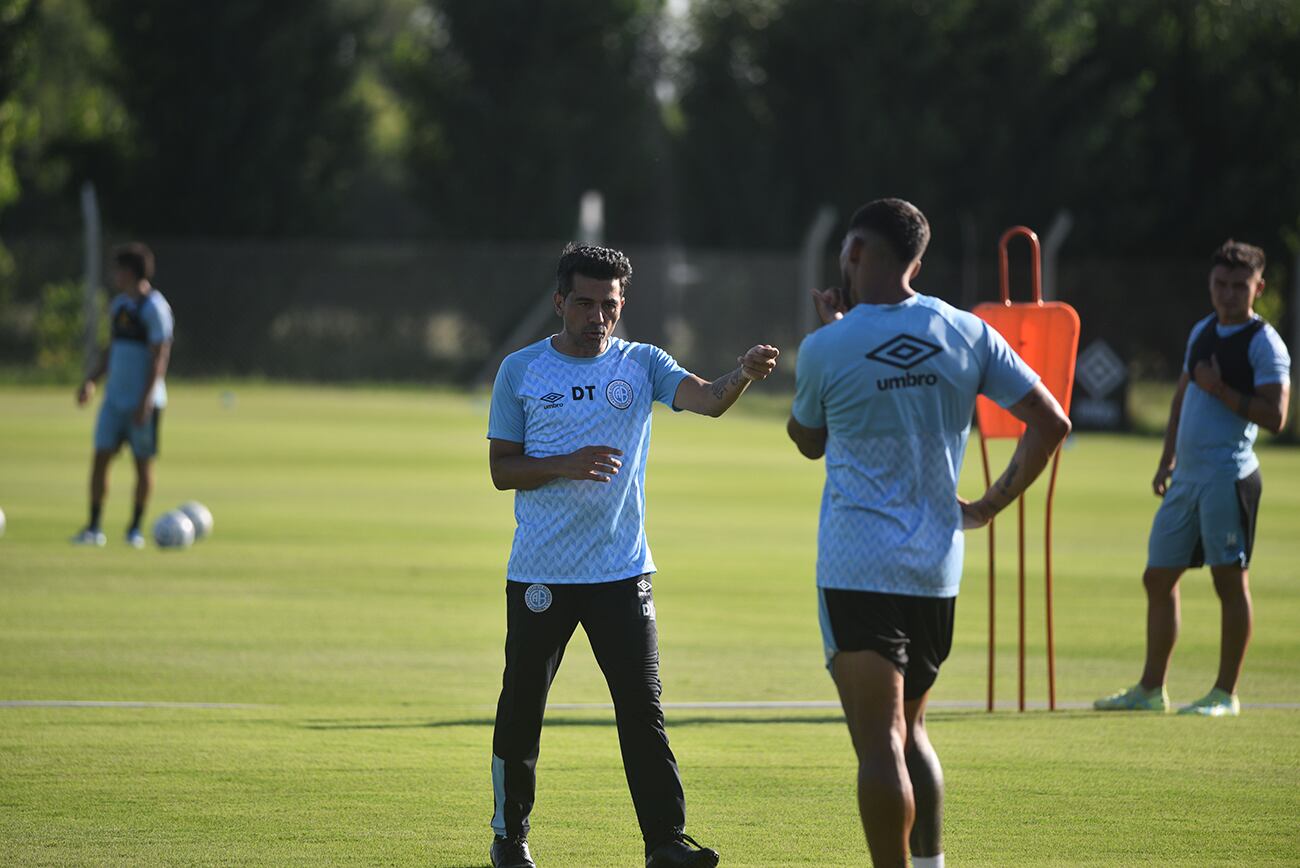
[{"x": 913, "y": 633}]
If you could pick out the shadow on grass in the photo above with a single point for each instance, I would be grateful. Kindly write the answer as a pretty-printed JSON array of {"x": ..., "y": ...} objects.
[
  {"x": 946, "y": 716},
  {"x": 562, "y": 720}
]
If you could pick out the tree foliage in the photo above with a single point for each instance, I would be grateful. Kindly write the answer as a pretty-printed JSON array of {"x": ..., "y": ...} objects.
[
  {"x": 517, "y": 107},
  {"x": 244, "y": 117},
  {"x": 1162, "y": 126},
  {"x": 17, "y": 21}
]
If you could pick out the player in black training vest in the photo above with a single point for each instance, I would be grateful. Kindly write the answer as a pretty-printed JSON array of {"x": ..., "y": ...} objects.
[{"x": 1235, "y": 380}]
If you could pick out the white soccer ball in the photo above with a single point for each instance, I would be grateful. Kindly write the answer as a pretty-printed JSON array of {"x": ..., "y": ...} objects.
[
  {"x": 173, "y": 530},
  {"x": 200, "y": 516}
]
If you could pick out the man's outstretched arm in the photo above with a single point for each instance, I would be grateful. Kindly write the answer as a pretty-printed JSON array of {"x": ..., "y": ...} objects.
[
  {"x": 714, "y": 398},
  {"x": 1046, "y": 425},
  {"x": 512, "y": 469}
]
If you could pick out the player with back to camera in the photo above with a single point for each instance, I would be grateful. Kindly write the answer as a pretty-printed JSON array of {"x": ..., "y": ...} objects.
[
  {"x": 885, "y": 390},
  {"x": 135, "y": 394},
  {"x": 569, "y": 431},
  {"x": 1236, "y": 377}
]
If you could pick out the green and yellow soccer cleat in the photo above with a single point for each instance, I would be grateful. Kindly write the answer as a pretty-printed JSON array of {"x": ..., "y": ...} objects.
[
  {"x": 1216, "y": 703},
  {"x": 1136, "y": 698}
]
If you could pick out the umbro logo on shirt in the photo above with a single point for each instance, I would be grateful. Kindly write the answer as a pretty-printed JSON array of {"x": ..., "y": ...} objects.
[
  {"x": 906, "y": 381},
  {"x": 552, "y": 399},
  {"x": 904, "y": 351}
]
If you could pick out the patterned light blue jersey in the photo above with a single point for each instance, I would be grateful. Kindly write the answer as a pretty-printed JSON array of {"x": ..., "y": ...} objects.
[
  {"x": 136, "y": 326},
  {"x": 570, "y": 531},
  {"x": 1214, "y": 442},
  {"x": 895, "y": 387}
]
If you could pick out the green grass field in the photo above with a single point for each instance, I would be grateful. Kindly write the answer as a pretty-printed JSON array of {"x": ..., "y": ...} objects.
[{"x": 351, "y": 598}]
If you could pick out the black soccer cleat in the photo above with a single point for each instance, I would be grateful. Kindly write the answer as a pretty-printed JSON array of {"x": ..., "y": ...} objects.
[
  {"x": 511, "y": 852},
  {"x": 681, "y": 850}
]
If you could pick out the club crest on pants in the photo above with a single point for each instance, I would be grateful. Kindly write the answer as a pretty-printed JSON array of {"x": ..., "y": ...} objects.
[{"x": 537, "y": 598}]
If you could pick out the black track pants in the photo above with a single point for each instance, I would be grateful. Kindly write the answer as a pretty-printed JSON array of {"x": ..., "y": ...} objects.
[{"x": 620, "y": 623}]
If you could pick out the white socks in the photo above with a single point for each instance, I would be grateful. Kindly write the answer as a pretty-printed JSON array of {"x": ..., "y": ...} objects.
[{"x": 927, "y": 861}]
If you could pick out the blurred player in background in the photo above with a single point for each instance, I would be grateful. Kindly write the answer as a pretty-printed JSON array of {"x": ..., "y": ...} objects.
[
  {"x": 886, "y": 390},
  {"x": 570, "y": 432},
  {"x": 1236, "y": 377},
  {"x": 135, "y": 394}
]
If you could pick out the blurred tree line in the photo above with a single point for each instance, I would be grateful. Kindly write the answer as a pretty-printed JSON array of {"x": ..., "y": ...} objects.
[{"x": 1163, "y": 126}]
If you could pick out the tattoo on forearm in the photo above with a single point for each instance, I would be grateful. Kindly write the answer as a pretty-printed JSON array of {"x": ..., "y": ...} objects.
[
  {"x": 1004, "y": 483},
  {"x": 722, "y": 385},
  {"x": 1243, "y": 406}
]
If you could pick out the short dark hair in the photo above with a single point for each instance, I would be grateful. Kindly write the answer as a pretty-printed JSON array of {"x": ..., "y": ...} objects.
[
  {"x": 136, "y": 258},
  {"x": 589, "y": 260},
  {"x": 898, "y": 223},
  {"x": 1238, "y": 254}
]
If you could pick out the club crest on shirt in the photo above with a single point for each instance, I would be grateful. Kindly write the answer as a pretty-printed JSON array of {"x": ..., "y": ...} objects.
[
  {"x": 619, "y": 393},
  {"x": 537, "y": 598}
]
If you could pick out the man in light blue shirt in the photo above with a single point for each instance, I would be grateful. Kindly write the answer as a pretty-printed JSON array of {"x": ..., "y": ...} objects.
[
  {"x": 136, "y": 360},
  {"x": 885, "y": 390},
  {"x": 1236, "y": 377},
  {"x": 570, "y": 432}
]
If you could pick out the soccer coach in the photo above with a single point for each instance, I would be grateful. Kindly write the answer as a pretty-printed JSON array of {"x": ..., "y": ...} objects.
[
  {"x": 886, "y": 391},
  {"x": 570, "y": 431}
]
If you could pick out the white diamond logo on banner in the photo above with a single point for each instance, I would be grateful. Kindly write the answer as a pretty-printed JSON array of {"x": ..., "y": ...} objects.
[{"x": 1100, "y": 369}]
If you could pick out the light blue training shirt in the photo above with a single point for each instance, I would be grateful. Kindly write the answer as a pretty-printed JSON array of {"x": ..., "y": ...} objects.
[
  {"x": 895, "y": 387},
  {"x": 1213, "y": 441},
  {"x": 136, "y": 327},
  {"x": 572, "y": 531}
]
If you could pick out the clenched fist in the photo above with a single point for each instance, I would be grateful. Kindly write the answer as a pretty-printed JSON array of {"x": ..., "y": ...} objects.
[{"x": 759, "y": 362}]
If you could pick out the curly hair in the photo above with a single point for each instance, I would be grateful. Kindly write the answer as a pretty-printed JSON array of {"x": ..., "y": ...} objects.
[
  {"x": 136, "y": 258},
  {"x": 1238, "y": 254},
  {"x": 589, "y": 260},
  {"x": 899, "y": 224}
]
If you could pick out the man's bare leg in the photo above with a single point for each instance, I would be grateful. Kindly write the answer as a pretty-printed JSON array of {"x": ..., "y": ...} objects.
[
  {"x": 1163, "y": 615},
  {"x": 98, "y": 485},
  {"x": 926, "y": 775},
  {"x": 1232, "y": 584},
  {"x": 871, "y": 692},
  {"x": 143, "y": 488}
]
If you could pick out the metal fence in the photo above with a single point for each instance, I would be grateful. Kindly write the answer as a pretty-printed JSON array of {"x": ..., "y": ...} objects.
[{"x": 337, "y": 311}]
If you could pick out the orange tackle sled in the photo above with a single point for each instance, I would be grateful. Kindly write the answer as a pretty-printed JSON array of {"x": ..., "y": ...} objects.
[{"x": 1046, "y": 336}]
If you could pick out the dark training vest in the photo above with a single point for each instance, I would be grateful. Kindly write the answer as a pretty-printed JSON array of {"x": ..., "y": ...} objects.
[
  {"x": 128, "y": 325},
  {"x": 1233, "y": 353}
]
